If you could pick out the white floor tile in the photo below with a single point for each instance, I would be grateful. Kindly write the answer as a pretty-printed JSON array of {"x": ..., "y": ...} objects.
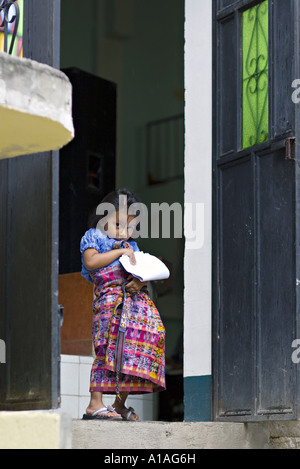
[
  {"x": 86, "y": 360},
  {"x": 83, "y": 402},
  {"x": 69, "y": 405},
  {"x": 69, "y": 358},
  {"x": 84, "y": 379},
  {"x": 70, "y": 379}
]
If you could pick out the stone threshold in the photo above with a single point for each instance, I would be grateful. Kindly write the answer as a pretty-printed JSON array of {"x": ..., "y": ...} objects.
[{"x": 111, "y": 435}]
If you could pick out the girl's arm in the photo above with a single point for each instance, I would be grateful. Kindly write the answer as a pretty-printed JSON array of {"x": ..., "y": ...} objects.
[{"x": 94, "y": 260}]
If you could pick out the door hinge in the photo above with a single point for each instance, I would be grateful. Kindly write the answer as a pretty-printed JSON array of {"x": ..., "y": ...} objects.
[
  {"x": 61, "y": 314},
  {"x": 290, "y": 149}
]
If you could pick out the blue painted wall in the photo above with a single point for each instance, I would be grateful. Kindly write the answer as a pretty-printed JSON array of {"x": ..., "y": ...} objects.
[{"x": 197, "y": 399}]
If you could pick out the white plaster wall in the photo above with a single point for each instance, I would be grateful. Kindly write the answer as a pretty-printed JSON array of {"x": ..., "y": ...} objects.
[{"x": 198, "y": 183}]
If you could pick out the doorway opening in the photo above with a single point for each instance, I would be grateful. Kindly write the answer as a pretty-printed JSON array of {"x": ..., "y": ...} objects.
[{"x": 125, "y": 59}]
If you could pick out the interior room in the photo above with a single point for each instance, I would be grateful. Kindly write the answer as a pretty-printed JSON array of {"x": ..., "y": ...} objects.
[{"x": 125, "y": 59}]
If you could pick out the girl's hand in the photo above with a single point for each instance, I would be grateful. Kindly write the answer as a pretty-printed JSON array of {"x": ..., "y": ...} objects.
[
  {"x": 130, "y": 253},
  {"x": 135, "y": 285}
]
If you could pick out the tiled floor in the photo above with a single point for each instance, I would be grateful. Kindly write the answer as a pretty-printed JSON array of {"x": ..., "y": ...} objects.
[{"x": 75, "y": 377}]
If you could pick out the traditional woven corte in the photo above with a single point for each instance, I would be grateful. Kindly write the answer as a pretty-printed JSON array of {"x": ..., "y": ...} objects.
[{"x": 128, "y": 336}]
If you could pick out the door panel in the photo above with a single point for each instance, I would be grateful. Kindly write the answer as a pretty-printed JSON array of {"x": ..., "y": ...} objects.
[
  {"x": 29, "y": 319},
  {"x": 236, "y": 266},
  {"x": 282, "y": 47},
  {"x": 255, "y": 317},
  {"x": 28, "y": 294},
  {"x": 276, "y": 281},
  {"x": 228, "y": 105}
]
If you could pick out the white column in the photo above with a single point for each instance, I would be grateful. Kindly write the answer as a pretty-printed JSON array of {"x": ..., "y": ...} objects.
[{"x": 198, "y": 185}]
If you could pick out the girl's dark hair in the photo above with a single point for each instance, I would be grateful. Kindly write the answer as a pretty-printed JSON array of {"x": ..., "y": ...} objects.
[{"x": 114, "y": 199}]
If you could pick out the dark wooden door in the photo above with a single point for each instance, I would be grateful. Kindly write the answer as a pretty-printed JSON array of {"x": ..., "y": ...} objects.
[
  {"x": 29, "y": 319},
  {"x": 256, "y": 196}
]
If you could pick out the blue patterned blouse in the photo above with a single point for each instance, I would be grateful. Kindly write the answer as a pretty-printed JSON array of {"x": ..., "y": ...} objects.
[{"x": 95, "y": 239}]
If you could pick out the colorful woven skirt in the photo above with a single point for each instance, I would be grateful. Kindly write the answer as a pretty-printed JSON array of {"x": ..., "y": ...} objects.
[{"x": 128, "y": 337}]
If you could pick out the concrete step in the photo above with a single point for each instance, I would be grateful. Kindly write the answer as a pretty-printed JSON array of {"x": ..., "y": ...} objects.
[{"x": 167, "y": 435}]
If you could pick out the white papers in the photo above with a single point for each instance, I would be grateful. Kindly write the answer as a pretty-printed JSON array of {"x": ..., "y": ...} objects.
[{"x": 147, "y": 267}]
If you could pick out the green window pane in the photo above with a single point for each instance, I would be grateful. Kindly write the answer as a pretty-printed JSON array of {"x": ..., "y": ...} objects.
[
  {"x": 255, "y": 51},
  {"x": 21, "y": 6},
  {"x": 18, "y": 45}
]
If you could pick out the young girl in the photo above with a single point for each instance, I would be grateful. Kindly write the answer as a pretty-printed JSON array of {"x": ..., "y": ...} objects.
[{"x": 128, "y": 334}]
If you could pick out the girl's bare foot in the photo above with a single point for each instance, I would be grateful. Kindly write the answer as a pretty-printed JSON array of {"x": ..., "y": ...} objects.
[
  {"x": 96, "y": 403},
  {"x": 128, "y": 414},
  {"x": 119, "y": 406},
  {"x": 110, "y": 413}
]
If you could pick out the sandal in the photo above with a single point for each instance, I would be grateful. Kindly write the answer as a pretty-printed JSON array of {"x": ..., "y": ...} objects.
[
  {"x": 128, "y": 414},
  {"x": 101, "y": 414}
]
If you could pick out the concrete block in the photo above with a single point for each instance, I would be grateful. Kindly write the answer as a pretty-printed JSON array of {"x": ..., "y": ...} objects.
[
  {"x": 165, "y": 435},
  {"x": 283, "y": 434},
  {"x": 35, "y": 430},
  {"x": 35, "y": 107}
]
